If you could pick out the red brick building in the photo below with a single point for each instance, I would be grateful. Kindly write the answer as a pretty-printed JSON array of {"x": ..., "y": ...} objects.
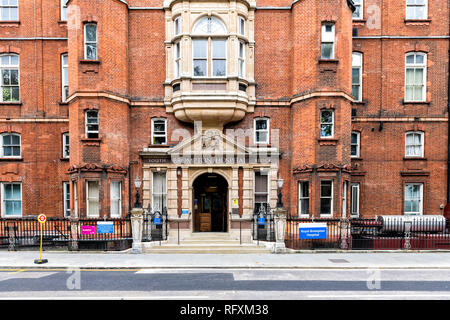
[{"x": 209, "y": 103}]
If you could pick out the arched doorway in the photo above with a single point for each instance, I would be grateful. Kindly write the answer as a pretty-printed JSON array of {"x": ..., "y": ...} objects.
[{"x": 210, "y": 191}]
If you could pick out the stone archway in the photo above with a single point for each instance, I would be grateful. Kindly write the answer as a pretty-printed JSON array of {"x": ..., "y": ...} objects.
[{"x": 210, "y": 203}]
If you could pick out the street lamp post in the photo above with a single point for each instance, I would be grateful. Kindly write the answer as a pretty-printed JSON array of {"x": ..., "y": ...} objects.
[
  {"x": 280, "y": 182},
  {"x": 137, "y": 184}
]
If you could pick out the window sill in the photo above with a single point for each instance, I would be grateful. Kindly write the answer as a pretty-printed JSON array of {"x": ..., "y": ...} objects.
[
  {"x": 327, "y": 142},
  {"x": 85, "y": 61},
  {"x": 159, "y": 146},
  {"x": 91, "y": 141},
  {"x": 9, "y": 23},
  {"x": 63, "y": 103},
  {"x": 359, "y": 21},
  {"x": 415, "y": 158},
  {"x": 417, "y": 22},
  {"x": 64, "y": 159},
  {"x": 414, "y": 173},
  {"x": 360, "y": 102},
  {"x": 62, "y": 22},
  {"x": 11, "y": 159},
  {"x": 356, "y": 158},
  {"x": 416, "y": 102},
  {"x": 324, "y": 61},
  {"x": 11, "y": 103}
]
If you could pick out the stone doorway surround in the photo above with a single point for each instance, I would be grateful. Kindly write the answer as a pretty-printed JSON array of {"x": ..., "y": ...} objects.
[{"x": 162, "y": 160}]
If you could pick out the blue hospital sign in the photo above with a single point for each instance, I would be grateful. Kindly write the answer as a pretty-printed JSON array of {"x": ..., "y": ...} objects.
[
  {"x": 314, "y": 230},
  {"x": 261, "y": 221},
  {"x": 105, "y": 227},
  {"x": 157, "y": 221}
]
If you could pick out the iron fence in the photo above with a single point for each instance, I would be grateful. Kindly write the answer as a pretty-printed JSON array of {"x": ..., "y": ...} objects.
[
  {"x": 394, "y": 234},
  {"x": 155, "y": 225},
  {"x": 263, "y": 223},
  {"x": 25, "y": 232},
  {"x": 62, "y": 232},
  {"x": 333, "y": 237}
]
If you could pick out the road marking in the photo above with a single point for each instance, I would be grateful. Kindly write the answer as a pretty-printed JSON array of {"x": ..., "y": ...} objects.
[
  {"x": 362, "y": 295},
  {"x": 25, "y": 275},
  {"x": 16, "y": 271},
  {"x": 108, "y": 298}
]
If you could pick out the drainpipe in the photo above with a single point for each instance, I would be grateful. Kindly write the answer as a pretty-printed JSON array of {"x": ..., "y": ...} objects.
[{"x": 447, "y": 207}]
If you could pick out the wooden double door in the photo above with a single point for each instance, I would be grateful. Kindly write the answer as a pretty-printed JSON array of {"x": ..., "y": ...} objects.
[{"x": 210, "y": 205}]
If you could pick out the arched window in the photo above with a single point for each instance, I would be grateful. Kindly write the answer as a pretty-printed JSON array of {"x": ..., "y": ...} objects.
[
  {"x": 209, "y": 25},
  {"x": 9, "y": 68},
  {"x": 415, "y": 76},
  {"x": 10, "y": 145},
  {"x": 210, "y": 53},
  {"x": 414, "y": 144}
]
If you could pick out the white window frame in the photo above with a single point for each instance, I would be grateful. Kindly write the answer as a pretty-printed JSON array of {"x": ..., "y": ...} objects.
[
  {"x": 154, "y": 135},
  {"x": 4, "y": 215},
  {"x": 88, "y": 214},
  {"x": 262, "y": 173},
  {"x": 66, "y": 145},
  {"x": 360, "y": 4},
  {"x": 267, "y": 141},
  {"x": 66, "y": 197},
  {"x": 64, "y": 79},
  {"x": 241, "y": 59},
  {"x": 355, "y": 188},
  {"x": 64, "y": 10},
  {"x": 212, "y": 40},
  {"x": 420, "y": 199},
  {"x": 416, "y": 66},
  {"x": 9, "y": 6},
  {"x": 301, "y": 185},
  {"x": 86, "y": 42},
  {"x": 159, "y": 194},
  {"x": 75, "y": 199},
  {"x": 327, "y": 124},
  {"x": 116, "y": 199},
  {"x": 328, "y": 38},
  {"x": 205, "y": 58},
  {"x": 177, "y": 26},
  {"x": 241, "y": 25},
  {"x": 357, "y": 144},
  {"x": 425, "y": 9},
  {"x": 344, "y": 198},
  {"x": 10, "y": 67},
  {"x": 359, "y": 67},
  {"x": 11, "y": 145},
  {"x": 210, "y": 37},
  {"x": 177, "y": 59},
  {"x": 422, "y": 145},
  {"x": 326, "y": 197},
  {"x": 87, "y": 131}
]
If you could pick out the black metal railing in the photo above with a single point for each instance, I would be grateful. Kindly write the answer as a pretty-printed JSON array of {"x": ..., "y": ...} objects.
[
  {"x": 332, "y": 237},
  {"x": 263, "y": 223},
  {"x": 393, "y": 233},
  {"x": 114, "y": 234},
  {"x": 155, "y": 225},
  {"x": 26, "y": 232}
]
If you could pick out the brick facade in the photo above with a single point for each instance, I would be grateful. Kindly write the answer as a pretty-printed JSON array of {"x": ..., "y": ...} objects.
[{"x": 128, "y": 84}]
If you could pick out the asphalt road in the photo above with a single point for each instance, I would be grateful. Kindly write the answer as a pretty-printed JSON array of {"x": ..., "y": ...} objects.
[{"x": 226, "y": 284}]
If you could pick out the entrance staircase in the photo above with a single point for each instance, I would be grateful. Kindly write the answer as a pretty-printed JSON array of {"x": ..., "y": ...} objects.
[{"x": 207, "y": 242}]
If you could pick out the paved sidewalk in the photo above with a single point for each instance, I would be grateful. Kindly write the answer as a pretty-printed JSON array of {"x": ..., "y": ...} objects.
[{"x": 106, "y": 260}]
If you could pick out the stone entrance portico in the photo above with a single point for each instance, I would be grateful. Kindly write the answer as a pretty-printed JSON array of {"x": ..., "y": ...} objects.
[{"x": 210, "y": 152}]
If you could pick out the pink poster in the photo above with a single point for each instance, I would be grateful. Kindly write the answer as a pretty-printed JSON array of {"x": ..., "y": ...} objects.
[{"x": 87, "y": 229}]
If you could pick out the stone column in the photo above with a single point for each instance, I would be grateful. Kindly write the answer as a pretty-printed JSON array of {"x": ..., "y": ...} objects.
[
  {"x": 345, "y": 232},
  {"x": 74, "y": 226},
  {"x": 280, "y": 227},
  {"x": 137, "y": 221}
]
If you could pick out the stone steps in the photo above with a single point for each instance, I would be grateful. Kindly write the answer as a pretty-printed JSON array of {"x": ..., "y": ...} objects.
[{"x": 213, "y": 243}]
